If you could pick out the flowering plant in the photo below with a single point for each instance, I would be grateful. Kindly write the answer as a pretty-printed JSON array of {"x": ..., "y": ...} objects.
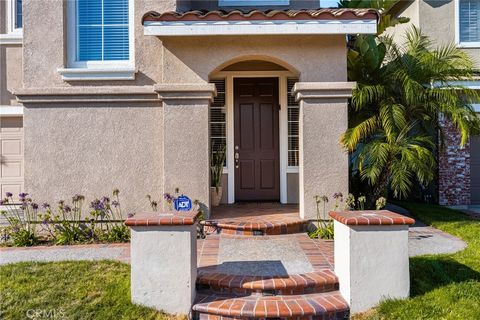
[{"x": 22, "y": 218}]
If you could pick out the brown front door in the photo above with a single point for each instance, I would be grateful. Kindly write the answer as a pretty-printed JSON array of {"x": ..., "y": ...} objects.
[{"x": 256, "y": 139}]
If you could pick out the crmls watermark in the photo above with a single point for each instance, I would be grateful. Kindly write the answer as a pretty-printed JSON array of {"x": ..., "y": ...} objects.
[{"x": 45, "y": 314}]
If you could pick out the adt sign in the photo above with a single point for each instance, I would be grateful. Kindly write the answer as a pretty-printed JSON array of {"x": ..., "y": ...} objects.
[{"x": 182, "y": 203}]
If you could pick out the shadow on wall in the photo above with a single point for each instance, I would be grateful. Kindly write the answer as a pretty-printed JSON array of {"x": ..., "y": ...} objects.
[
  {"x": 437, "y": 3},
  {"x": 141, "y": 79}
]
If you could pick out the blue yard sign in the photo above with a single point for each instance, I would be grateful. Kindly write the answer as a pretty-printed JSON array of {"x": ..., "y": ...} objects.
[{"x": 182, "y": 203}]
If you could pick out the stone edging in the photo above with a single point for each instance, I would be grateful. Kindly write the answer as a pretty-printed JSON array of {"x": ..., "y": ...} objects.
[
  {"x": 148, "y": 219},
  {"x": 372, "y": 217}
]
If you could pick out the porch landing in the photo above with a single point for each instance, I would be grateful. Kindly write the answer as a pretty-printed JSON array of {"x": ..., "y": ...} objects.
[{"x": 257, "y": 218}]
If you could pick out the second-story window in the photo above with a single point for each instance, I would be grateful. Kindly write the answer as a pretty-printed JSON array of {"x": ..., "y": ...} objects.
[
  {"x": 14, "y": 16},
  {"x": 469, "y": 22},
  {"x": 18, "y": 14},
  {"x": 101, "y": 32}
]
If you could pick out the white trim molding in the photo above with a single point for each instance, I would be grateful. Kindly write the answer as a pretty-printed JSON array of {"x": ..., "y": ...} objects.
[
  {"x": 14, "y": 35},
  {"x": 259, "y": 27},
  {"x": 470, "y": 84},
  {"x": 457, "y": 30},
  {"x": 283, "y": 129},
  {"x": 82, "y": 74},
  {"x": 11, "y": 38},
  {"x": 11, "y": 111},
  {"x": 476, "y": 107}
]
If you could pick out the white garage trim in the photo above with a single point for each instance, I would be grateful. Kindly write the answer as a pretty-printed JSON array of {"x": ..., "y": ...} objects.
[{"x": 9, "y": 111}]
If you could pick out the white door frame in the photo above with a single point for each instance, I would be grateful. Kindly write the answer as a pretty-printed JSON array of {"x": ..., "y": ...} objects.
[{"x": 229, "y": 77}]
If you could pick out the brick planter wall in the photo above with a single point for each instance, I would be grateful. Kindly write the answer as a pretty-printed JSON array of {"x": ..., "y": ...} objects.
[{"x": 454, "y": 168}]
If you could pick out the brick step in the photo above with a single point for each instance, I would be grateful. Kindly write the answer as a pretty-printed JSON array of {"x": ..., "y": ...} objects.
[
  {"x": 328, "y": 305},
  {"x": 257, "y": 228},
  {"x": 313, "y": 282}
]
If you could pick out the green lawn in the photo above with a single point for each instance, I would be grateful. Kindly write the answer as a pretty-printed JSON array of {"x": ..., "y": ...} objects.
[
  {"x": 69, "y": 290},
  {"x": 443, "y": 286}
]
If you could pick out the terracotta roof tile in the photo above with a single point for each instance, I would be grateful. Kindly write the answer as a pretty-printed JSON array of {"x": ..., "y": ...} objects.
[{"x": 238, "y": 15}]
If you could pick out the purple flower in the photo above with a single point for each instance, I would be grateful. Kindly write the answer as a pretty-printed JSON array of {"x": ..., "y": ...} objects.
[
  {"x": 45, "y": 205},
  {"x": 168, "y": 197},
  {"x": 34, "y": 206},
  {"x": 67, "y": 208},
  {"x": 130, "y": 215},
  {"x": 337, "y": 195},
  {"x": 115, "y": 203},
  {"x": 9, "y": 194},
  {"x": 22, "y": 195},
  {"x": 97, "y": 205},
  {"x": 77, "y": 197},
  {"x": 3, "y": 201},
  {"x": 105, "y": 199}
]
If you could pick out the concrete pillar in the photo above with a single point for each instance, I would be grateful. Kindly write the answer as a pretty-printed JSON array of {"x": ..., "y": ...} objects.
[
  {"x": 323, "y": 168},
  {"x": 164, "y": 260},
  {"x": 371, "y": 257},
  {"x": 186, "y": 144}
]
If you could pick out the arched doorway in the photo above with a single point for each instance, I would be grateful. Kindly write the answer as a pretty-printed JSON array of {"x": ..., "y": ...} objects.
[{"x": 256, "y": 119}]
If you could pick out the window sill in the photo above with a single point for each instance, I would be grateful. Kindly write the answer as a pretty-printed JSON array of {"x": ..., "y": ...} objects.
[
  {"x": 11, "y": 38},
  {"x": 11, "y": 111},
  {"x": 469, "y": 45},
  {"x": 105, "y": 74}
]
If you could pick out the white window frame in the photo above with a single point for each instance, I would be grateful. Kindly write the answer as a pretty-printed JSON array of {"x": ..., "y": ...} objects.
[
  {"x": 252, "y": 3},
  {"x": 11, "y": 15},
  {"x": 13, "y": 35},
  {"x": 460, "y": 44},
  {"x": 97, "y": 70}
]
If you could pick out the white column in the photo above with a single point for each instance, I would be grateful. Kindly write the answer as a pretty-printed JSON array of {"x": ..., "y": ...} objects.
[
  {"x": 186, "y": 143},
  {"x": 371, "y": 257},
  {"x": 164, "y": 261},
  {"x": 323, "y": 168}
]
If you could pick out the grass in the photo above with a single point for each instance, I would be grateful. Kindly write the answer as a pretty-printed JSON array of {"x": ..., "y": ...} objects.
[
  {"x": 69, "y": 290},
  {"x": 442, "y": 286}
]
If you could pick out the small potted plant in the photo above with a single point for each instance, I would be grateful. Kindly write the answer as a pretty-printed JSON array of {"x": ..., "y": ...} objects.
[{"x": 216, "y": 171}]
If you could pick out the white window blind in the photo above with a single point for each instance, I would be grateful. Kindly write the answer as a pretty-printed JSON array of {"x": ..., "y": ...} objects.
[
  {"x": 218, "y": 120},
  {"x": 102, "y": 30},
  {"x": 469, "y": 16},
  {"x": 293, "y": 125}
]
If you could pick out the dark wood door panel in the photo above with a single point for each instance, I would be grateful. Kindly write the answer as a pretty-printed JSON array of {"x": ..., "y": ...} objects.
[{"x": 256, "y": 115}]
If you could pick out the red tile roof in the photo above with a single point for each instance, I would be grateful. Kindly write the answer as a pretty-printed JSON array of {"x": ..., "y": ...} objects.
[{"x": 238, "y": 15}]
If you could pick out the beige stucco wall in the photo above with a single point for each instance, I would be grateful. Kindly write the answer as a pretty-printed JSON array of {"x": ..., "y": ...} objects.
[
  {"x": 10, "y": 72},
  {"x": 92, "y": 149},
  {"x": 45, "y": 54},
  {"x": 193, "y": 59},
  {"x": 10, "y": 63},
  {"x": 436, "y": 19}
]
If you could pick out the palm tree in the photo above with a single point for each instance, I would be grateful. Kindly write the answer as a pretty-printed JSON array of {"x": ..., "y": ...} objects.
[{"x": 401, "y": 90}]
